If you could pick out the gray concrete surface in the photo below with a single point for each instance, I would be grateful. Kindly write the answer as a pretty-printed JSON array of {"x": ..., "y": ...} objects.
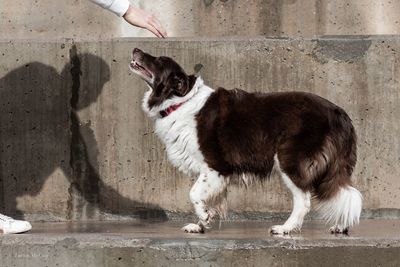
[
  {"x": 42, "y": 19},
  {"x": 373, "y": 243},
  {"x": 75, "y": 143},
  {"x": 46, "y": 19}
]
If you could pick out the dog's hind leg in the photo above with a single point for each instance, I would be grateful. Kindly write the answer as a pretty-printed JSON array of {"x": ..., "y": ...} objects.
[
  {"x": 209, "y": 188},
  {"x": 301, "y": 206}
]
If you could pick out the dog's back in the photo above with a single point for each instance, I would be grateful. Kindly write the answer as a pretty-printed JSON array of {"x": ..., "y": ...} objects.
[{"x": 312, "y": 139}]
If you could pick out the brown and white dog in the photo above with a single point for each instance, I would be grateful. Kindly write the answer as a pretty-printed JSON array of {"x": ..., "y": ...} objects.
[{"x": 221, "y": 135}]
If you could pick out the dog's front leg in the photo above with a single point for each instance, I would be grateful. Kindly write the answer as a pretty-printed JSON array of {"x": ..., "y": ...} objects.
[{"x": 207, "y": 187}]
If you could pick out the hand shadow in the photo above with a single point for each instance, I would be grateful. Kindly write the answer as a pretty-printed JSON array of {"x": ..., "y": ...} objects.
[{"x": 40, "y": 131}]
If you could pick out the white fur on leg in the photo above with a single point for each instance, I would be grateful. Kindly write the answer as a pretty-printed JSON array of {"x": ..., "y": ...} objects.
[
  {"x": 207, "y": 188},
  {"x": 301, "y": 206},
  {"x": 197, "y": 198}
]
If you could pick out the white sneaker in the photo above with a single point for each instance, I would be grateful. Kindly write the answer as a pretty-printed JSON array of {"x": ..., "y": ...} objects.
[{"x": 11, "y": 226}]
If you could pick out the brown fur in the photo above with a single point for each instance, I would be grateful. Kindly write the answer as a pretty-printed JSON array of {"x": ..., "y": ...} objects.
[{"x": 314, "y": 139}]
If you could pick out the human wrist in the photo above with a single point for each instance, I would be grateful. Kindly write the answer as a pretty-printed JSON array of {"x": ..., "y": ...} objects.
[
  {"x": 128, "y": 11},
  {"x": 120, "y": 7}
]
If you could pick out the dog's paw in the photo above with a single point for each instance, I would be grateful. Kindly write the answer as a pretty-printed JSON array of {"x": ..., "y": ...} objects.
[
  {"x": 193, "y": 228},
  {"x": 280, "y": 230},
  {"x": 337, "y": 229}
]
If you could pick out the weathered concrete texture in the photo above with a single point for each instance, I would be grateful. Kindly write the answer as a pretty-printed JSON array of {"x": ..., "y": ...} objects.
[
  {"x": 42, "y": 19},
  {"x": 373, "y": 243},
  {"x": 295, "y": 17},
  {"x": 75, "y": 143},
  {"x": 82, "y": 19},
  {"x": 272, "y": 17}
]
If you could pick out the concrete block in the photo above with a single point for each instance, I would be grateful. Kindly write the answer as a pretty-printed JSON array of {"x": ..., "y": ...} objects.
[
  {"x": 373, "y": 243},
  {"x": 47, "y": 19},
  {"x": 76, "y": 145}
]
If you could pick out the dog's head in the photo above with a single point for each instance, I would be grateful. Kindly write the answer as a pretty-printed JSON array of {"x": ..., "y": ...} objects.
[{"x": 167, "y": 80}]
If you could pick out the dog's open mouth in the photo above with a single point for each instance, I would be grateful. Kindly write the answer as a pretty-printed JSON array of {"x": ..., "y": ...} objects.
[{"x": 136, "y": 66}]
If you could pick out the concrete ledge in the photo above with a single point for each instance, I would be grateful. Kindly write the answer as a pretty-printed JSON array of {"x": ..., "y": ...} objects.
[
  {"x": 373, "y": 243},
  {"x": 389, "y": 214}
]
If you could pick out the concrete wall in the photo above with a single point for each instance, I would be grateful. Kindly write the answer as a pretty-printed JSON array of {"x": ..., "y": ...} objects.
[
  {"x": 43, "y": 19},
  {"x": 20, "y": 19},
  {"x": 74, "y": 142}
]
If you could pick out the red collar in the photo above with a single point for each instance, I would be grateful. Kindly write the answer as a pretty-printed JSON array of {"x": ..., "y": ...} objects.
[{"x": 170, "y": 109}]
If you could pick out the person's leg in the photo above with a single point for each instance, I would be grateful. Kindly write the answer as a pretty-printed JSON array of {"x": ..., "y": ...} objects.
[{"x": 10, "y": 226}]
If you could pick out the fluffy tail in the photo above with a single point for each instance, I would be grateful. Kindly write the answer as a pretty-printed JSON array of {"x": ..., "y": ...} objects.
[{"x": 343, "y": 209}]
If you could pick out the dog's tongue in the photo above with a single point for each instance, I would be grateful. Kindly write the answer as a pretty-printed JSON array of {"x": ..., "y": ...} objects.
[
  {"x": 145, "y": 72},
  {"x": 142, "y": 69}
]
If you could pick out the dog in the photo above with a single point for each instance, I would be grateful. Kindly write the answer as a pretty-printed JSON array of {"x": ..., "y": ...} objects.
[{"x": 222, "y": 135}]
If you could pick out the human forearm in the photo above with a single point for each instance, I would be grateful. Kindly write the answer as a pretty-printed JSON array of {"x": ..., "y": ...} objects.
[{"x": 118, "y": 7}]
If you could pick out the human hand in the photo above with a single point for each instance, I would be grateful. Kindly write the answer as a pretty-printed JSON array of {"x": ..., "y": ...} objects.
[{"x": 144, "y": 19}]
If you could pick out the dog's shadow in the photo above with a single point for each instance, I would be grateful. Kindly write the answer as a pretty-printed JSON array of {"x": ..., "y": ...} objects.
[{"x": 40, "y": 132}]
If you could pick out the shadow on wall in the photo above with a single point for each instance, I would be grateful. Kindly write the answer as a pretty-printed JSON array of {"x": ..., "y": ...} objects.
[{"x": 40, "y": 131}]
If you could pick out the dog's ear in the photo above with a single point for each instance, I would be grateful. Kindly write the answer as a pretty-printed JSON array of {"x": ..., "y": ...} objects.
[
  {"x": 197, "y": 69},
  {"x": 192, "y": 81},
  {"x": 179, "y": 83}
]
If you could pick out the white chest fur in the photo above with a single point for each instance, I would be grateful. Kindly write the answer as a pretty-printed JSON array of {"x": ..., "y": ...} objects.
[{"x": 178, "y": 130}]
